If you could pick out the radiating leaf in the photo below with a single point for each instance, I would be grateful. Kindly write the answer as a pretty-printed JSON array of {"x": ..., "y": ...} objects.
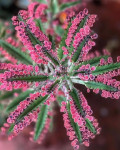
[
  {"x": 42, "y": 1},
  {"x": 95, "y": 85},
  {"x": 35, "y": 41},
  {"x": 16, "y": 52},
  {"x": 90, "y": 126},
  {"x": 18, "y": 99},
  {"x": 35, "y": 104},
  {"x": 41, "y": 121},
  {"x": 77, "y": 100},
  {"x": 2, "y": 33},
  {"x": 59, "y": 50},
  {"x": 93, "y": 62},
  {"x": 40, "y": 25},
  {"x": 9, "y": 94},
  {"x": 69, "y": 4},
  {"x": 10, "y": 129},
  {"x": 60, "y": 99},
  {"x": 52, "y": 87},
  {"x": 34, "y": 78},
  {"x": 74, "y": 125},
  {"x": 106, "y": 68},
  {"x": 54, "y": 6},
  {"x": 81, "y": 25},
  {"x": 74, "y": 94},
  {"x": 59, "y": 30},
  {"x": 78, "y": 51},
  {"x": 52, "y": 40},
  {"x": 53, "y": 59},
  {"x": 65, "y": 62}
]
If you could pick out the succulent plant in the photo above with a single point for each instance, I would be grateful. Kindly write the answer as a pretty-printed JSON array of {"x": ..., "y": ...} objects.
[{"x": 47, "y": 71}]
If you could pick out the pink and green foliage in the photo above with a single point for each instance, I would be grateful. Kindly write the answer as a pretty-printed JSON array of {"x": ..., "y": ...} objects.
[{"x": 47, "y": 71}]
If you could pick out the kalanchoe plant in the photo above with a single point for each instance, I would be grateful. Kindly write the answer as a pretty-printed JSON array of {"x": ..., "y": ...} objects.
[{"x": 51, "y": 72}]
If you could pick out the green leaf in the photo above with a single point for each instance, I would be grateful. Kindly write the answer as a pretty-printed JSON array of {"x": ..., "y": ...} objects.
[
  {"x": 95, "y": 85},
  {"x": 59, "y": 30},
  {"x": 93, "y": 62},
  {"x": 69, "y": 4},
  {"x": 18, "y": 99},
  {"x": 65, "y": 62},
  {"x": 1, "y": 107},
  {"x": 40, "y": 25},
  {"x": 81, "y": 25},
  {"x": 36, "y": 103},
  {"x": 52, "y": 40},
  {"x": 60, "y": 99},
  {"x": 2, "y": 33},
  {"x": 34, "y": 78},
  {"x": 54, "y": 6},
  {"x": 90, "y": 126},
  {"x": 51, "y": 88},
  {"x": 76, "y": 99},
  {"x": 106, "y": 68},
  {"x": 10, "y": 129},
  {"x": 54, "y": 60},
  {"x": 78, "y": 51},
  {"x": 69, "y": 83},
  {"x": 15, "y": 52},
  {"x": 42, "y": 1},
  {"x": 9, "y": 94},
  {"x": 35, "y": 41},
  {"x": 60, "y": 51},
  {"x": 41, "y": 121},
  {"x": 74, "y": 125}
]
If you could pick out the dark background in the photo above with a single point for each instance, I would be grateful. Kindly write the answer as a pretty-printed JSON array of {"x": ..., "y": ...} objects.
[{"x": 107, "y": 111}]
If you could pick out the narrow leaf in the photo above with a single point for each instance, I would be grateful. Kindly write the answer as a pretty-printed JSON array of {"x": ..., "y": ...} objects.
[
  {"x": 41, "y": 121},
  {"x": 54, "y": 6},
  {"x": 31, "y": 78},
  {"x": 36, "y": 103},
  {"x": 42, "y": 1},
  {"x": 93, "y": 62},
  {"x": 18, "y": 99},
  {"x": 60, "y": 51},
  {"x": 10, "y": 129},
  {"x": 74, "y": 125},
  {"x": 81, "y": 25},
  {"x": 33, "y": 39},
  {"x": 52, "y": 40},
  {"x": 59, "y": 30},
  {"x": 76, "y": 98},
  {"x": 95, "y": 85},
  {"x": 106, "y": 68},
  {"x": 40, "y": 25},
  {"x": 54, "y": 60},
  {"x": 9, "y": 94},
  {"x": 52, "y": 87},
  {"x": 69, "y": 4},
  {"x": 2, "y": 33},
  {"x": 78, "y": 51},
  {"x": 36, "y": 41},
  {"x": 90, "y": 126},
  {"x": 15, "y": 52},
  {"x": 60, "y": 99}
]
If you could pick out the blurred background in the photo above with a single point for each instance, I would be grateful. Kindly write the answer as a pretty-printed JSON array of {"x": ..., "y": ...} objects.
[{"x": 107, "y": 111}]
